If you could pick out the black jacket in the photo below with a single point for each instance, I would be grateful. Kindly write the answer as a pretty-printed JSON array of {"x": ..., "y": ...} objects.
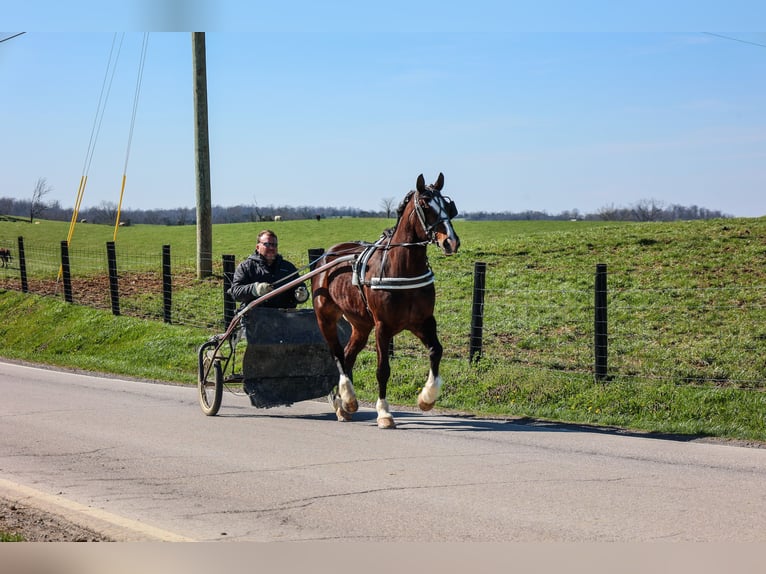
[{"x": 254, "y": 269}]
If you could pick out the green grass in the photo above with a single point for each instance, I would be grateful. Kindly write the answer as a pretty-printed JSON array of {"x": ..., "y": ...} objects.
[
  {"x": 687, "y": 318},
  {"x": 8, "y": 537}
]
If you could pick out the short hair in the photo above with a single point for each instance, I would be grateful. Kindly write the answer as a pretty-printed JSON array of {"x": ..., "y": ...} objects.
[{"x": 266, "y": 232}]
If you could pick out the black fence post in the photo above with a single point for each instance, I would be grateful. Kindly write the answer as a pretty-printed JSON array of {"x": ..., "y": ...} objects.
[
  {"x": 23, "y": 266},
  {"x": 229, "y": 305},
  {"x": 314, "y": 257},
  {"x": 114, "y": 292},
  {"x": 167, "y": 286},
  {"x": 600, "y": 324},
  {"x": 477, "y": 313},
  {"x": 65, "y": 272}
]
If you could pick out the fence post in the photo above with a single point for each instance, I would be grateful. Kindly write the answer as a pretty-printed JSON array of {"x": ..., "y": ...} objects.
[
  {"x": 167, "y": 286},
  {"x": 114, "y": 292},
  {"x": 314, "y": 255},
  {"x": 229, "y": 305},
  {"x": 477, "y": 313},
  {"x": 600, "y": 324},
  {"x": 23, "y": 266},
  {"x": 65, "y": 272}
]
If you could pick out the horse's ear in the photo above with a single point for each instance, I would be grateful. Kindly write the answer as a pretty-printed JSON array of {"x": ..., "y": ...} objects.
[
  {"x": 439, "y": 183},
  {"x": 421, "y": 183}
]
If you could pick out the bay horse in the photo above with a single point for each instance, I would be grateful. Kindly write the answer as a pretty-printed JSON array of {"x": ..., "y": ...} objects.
[{"x": 389, "y": 287}]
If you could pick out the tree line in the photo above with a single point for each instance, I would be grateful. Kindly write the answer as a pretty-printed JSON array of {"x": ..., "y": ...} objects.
[{"x": 106, "y": 213}]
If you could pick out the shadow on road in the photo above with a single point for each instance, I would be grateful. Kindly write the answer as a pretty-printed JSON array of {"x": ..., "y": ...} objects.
[{"x": 412, "y": 420}]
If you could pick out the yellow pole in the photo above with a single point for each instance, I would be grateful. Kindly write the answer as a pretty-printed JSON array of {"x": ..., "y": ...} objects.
[
  {"x": 75, "y": 213},
  {"x": 119, "y": 207}
]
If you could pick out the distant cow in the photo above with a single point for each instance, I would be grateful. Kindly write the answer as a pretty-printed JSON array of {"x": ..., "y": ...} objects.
[
  {"x": 5, "y": 256},
  {"x": 277, "y": 218}
]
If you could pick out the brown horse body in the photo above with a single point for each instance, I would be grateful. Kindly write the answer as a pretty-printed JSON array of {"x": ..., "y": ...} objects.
[{"x": 388, "y": 288}]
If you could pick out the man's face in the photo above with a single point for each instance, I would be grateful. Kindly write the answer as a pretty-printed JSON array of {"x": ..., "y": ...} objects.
[{"x": 267, "y": 247}]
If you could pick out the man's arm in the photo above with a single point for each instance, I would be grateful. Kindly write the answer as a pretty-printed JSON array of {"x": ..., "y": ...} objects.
[{"x": 245, "y": 286}]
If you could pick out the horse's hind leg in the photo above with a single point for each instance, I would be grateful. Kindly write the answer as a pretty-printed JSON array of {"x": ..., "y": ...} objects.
[
  {"x": 346, "y": 403},
  {"x": 383, "y": 372},
  {"x": 327, "y": 319},
  {"x": 430, "y": 392}
]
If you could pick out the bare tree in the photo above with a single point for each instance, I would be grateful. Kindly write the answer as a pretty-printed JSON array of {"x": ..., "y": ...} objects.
[
  {"x": 648, "y": 210},
  {"x": 608, "y": 212},
  {"x": 106, "y": 212},
  {"x": 38, "y": 206},
  {"x": 387, "y": 203}
]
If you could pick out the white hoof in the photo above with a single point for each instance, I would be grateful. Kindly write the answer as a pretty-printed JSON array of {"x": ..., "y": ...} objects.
[
  {"x": 386, "y": 423},
  {"x": 385, "y": 419}
]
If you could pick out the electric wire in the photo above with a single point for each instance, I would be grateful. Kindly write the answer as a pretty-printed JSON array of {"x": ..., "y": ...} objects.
[{"x": 139, "y": 81}]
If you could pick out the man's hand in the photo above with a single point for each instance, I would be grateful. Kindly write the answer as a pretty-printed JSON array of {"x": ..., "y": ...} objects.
[
  {"x": 260, "y": 289},
  {"x": 301, "y": 293}
]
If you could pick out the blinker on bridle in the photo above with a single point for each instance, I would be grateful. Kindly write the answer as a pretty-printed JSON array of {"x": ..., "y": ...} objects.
[{"x": 447, "y": 211}]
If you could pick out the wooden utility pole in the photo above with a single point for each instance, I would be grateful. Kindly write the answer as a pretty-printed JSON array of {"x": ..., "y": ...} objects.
[{"x": 202, "y": 160}]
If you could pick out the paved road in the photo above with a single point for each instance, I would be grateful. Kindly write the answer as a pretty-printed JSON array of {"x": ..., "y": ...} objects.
[{"x": 141, "y": 461}]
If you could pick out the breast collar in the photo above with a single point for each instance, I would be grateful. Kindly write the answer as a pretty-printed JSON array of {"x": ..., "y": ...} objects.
[{"x": 380, "y": 282}]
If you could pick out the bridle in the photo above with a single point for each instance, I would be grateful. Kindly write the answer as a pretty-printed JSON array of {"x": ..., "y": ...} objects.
[{"x": 444, "y": 207}]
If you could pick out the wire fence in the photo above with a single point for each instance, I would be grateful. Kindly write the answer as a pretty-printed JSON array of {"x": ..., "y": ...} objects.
[{"x": 656, "y": 324}]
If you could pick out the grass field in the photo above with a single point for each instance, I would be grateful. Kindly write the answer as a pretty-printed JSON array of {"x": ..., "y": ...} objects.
[{"x": 687, "y": 319}]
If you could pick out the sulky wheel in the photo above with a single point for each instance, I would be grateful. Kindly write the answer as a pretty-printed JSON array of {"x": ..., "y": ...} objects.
[{"x": 210, "y": 379}]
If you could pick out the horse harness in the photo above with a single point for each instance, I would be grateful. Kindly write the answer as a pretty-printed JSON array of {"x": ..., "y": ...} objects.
[
  {"x": 359, "y": 272},
  {"x": 447, "y": 210}
]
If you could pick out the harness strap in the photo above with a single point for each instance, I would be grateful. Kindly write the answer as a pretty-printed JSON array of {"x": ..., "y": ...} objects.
[
  {"x": 359, "y": 272},
  {"x": 394, "y": 283}
]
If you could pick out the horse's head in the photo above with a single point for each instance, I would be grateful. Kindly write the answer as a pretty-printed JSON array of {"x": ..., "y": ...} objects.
[{"x": 435, "y": 212}]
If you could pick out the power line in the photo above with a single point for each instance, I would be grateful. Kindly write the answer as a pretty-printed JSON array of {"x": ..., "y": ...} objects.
[
  {"x": 735, "y": 39},
  {"x": 11, "y": 37}
]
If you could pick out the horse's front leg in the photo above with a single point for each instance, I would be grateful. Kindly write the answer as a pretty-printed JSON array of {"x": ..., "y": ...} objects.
[
  {"x": 430, "y": 392},
  {"x": 383, "y": 372}
]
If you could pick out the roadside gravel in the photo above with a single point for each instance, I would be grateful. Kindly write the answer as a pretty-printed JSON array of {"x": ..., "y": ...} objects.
[{"x": 35, "y": 525}]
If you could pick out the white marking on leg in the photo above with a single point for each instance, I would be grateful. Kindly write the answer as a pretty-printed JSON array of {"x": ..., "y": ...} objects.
[
  {"x": 385, "y": 418},
  {"x": 430, "y": 392},
  {"x": 347, "y": 394}
]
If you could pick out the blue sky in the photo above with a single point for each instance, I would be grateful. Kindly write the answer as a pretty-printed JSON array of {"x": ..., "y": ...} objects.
[{"x": 345, "y": 107}]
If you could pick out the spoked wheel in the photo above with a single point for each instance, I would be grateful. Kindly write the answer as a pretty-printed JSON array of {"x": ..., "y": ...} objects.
[{"x": 210, "y": 379}]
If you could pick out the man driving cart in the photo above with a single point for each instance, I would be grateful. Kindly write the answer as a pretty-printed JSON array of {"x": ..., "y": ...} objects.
[
  {"x": 286, "y": 359},
  {"x": 264, "y": 270}
]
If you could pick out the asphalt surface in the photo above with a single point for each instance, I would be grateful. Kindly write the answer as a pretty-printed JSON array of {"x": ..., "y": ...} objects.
[{"x": 139, "y": 461}]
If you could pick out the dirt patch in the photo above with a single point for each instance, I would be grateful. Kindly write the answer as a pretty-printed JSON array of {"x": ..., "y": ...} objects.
[
  {"x": 94, "y": 291},
  {"x": 34, "y": 525}
]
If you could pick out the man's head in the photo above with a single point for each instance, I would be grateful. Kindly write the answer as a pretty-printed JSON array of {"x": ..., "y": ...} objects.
[{"x": 267, "y": 245}]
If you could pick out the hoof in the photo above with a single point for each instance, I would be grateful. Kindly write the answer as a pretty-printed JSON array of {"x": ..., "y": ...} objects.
[
  {"x": 343, "y": 416},
  {"x": 425, "y": 406},
  {"x": 386, "y": 423},
  {"x": 351, "y": 407}
]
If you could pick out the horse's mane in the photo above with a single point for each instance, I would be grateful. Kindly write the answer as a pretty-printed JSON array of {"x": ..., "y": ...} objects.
[
  {"x": 403, "y": 204},
  {"x": 389, "y": 232}
]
